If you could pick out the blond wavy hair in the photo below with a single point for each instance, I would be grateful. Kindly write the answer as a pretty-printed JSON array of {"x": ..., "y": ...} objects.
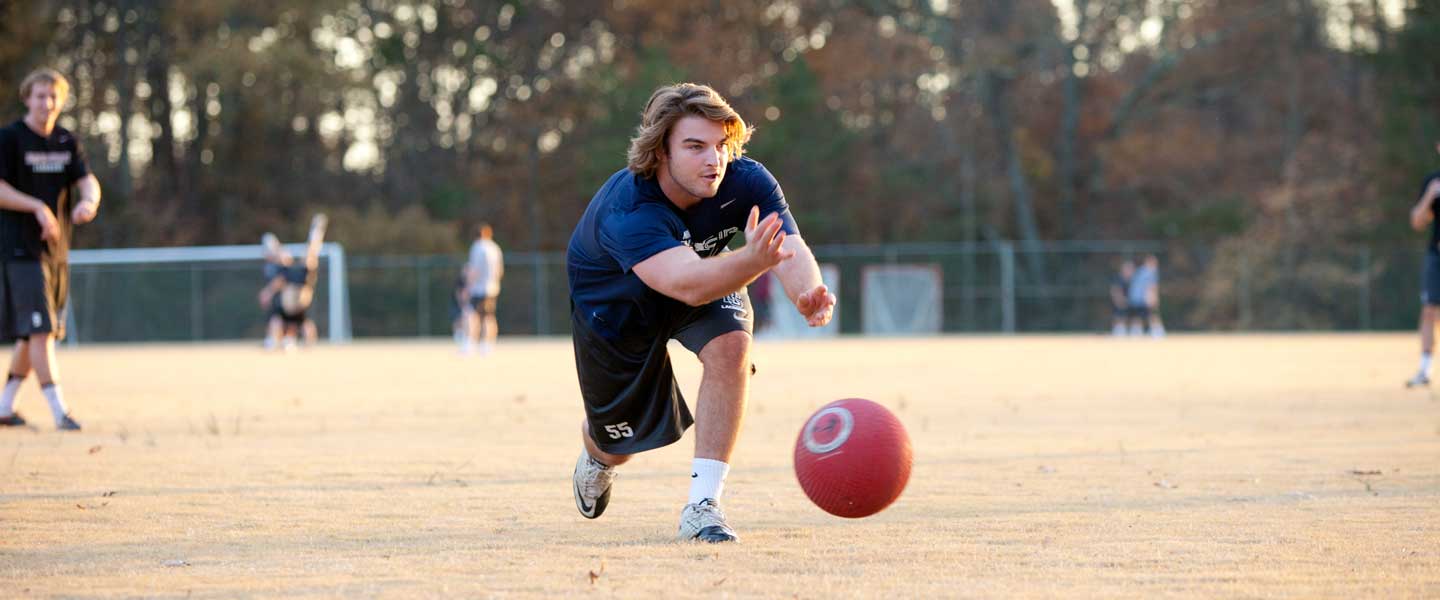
[
  {"x": 45, "y": 75},
  {"x": 667, "y": 106}
]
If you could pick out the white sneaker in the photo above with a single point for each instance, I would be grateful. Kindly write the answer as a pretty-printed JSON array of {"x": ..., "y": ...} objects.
[
  {"x": 704, "y": 521},
  {"x": 592, "y": 485}
]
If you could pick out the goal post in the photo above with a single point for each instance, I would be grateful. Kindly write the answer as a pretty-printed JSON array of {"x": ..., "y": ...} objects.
[
  {"x": 241, "y": 264},
  {"x": 902, "y": 299}
]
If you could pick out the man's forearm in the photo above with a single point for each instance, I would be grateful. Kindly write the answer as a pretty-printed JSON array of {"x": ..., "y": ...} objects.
[
  {"x": 89, "y": 189},
  {"x": 13, "y": 199},
  {"x": 1420, "y": 215},
  {"x": 719, "y": 276},
  {"x": 799, "y": 273}
]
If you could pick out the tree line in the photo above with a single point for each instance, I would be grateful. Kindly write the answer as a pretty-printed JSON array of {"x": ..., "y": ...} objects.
[{"x": 1254, "y": 132}]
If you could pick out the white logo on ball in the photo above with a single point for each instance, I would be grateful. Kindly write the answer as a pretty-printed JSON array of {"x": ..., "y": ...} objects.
[{"x": 847, "y": 424}]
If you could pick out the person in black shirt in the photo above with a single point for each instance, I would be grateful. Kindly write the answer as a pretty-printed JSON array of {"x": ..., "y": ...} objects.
[
  {"x": 1119, "y": 297},
  {"x": 1422, "y": 215},
  {"x": 40, "y": 166}
]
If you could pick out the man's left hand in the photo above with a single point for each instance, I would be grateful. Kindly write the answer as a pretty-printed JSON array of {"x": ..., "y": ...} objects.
[
  {"x": 84, "y": 212},
  {"x": 817, "y": 305}
]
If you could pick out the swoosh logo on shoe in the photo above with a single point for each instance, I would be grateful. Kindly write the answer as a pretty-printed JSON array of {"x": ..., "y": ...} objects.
[{"x": 589, "y": 510}]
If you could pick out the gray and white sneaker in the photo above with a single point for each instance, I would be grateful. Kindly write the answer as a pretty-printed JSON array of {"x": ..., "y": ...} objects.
[
  {"x": 592, "y": 485},
  {"x": 705, "y": 522},
  {"x": 1419, "y": 380}
]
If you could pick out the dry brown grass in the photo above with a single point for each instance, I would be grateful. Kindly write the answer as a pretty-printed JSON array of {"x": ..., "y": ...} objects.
[{"x": 1216, "y": 466}]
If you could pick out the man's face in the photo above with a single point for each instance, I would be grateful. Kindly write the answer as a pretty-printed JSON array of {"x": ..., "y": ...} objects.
[
  {"x": 696, "y": 155},
  {"x": 44, "y": 101}
]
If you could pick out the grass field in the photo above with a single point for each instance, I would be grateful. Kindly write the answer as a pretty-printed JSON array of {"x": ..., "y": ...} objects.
[{"x": 1217, "y": 466}]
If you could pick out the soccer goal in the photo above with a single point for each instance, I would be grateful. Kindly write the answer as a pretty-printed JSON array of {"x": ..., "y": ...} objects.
[
  {"x": 194, "y": 293},
  {"x": 784, "y": 322},
  {"x": 901, "y": 299}
]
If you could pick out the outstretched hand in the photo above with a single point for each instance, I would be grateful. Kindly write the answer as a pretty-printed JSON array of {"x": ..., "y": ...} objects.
[
  {"x": 817, "y": 305},
  {"x": 49, "y": 227},
  {"x": 764, "y": 239}
]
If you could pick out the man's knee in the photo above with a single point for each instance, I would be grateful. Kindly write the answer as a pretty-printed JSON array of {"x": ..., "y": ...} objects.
[{"x": 729, "y": 352}]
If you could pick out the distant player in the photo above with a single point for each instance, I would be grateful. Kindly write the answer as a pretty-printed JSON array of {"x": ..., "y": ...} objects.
[
  {"x": 290, "y": 288},
  {"x": 1119, "y": 297},
  {"x": 1421, "y": 215},
  {"x": 39, "y": 164},
  {"x": 1144, "y": 298},
  {"x": 647, "y": 264},
  {"x": 483, "y": 272}
]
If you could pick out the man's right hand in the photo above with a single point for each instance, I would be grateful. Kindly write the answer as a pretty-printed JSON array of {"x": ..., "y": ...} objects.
[
  {"x": 49, "y": 227},
  {"x": 764, "y": 239}
]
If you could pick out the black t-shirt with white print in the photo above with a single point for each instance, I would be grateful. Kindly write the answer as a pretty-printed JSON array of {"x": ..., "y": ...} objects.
[{"x": 43, "y": 167}]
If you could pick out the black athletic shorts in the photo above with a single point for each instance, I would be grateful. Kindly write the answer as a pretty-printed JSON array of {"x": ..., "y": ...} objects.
[
  {"x": 1430, "y": 280},
  {"x": 632, "y": 400},
  {"x": 277, "y": 309},
  {"x": 1139, "y": 311},
  {"x": 484, "y": 305},
  {"x": 33, "y": 294}
]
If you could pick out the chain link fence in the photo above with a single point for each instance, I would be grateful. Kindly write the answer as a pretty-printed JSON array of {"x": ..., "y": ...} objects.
[{"x": 1000, "y": 287}]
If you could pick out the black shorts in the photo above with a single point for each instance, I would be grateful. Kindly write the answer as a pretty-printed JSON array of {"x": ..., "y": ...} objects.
[
  {"x": 1430, "y": 280},
  {"x": 33, "y": 294},
  {"x": 277, "y": 309},
  {"x": 1138, "y": 311},
  {"x": 632, "y": 400},
  {"x": 483, "y": 305}
]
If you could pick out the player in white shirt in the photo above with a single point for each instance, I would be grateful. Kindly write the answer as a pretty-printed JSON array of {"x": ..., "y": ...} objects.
[{"x": 482, "y": 281}]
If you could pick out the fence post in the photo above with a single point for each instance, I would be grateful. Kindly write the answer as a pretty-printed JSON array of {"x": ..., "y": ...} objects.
[
  {"x": 197, "y": 319},
  {"x": 1242, "y": 288},
  {"x": 1007, "y": 286},
  {"x": 1365, "y": 288},
  {"x": 422, "y": 294},
  {"x": 542, "y": 296}
]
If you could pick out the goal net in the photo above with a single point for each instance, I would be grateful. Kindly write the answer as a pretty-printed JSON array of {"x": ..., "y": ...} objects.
[
  {"x": 782, "y": 320},
  {"x": 901, "y": 299},
  {"x": 194, "y": 293}
]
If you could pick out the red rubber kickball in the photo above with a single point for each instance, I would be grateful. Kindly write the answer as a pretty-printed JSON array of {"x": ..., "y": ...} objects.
[{"x": 853, "y": 458}]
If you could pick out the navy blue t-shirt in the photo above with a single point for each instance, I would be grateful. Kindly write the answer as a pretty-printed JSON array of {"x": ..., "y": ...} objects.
[
  {"x": 297, "y": 273},
  {"x": 630, "y": 220},
  {"x": 1434, "y": 247}
]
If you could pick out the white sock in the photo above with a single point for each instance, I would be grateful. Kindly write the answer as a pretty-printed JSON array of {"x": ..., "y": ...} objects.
[
  {"x": 56, "y": 400},
  {"x": 7, "y": 400},
  {"x": 1424, "y": 370},
  {"x": 707, "y": 479},
  {"x": 1157, "y": 331}
]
